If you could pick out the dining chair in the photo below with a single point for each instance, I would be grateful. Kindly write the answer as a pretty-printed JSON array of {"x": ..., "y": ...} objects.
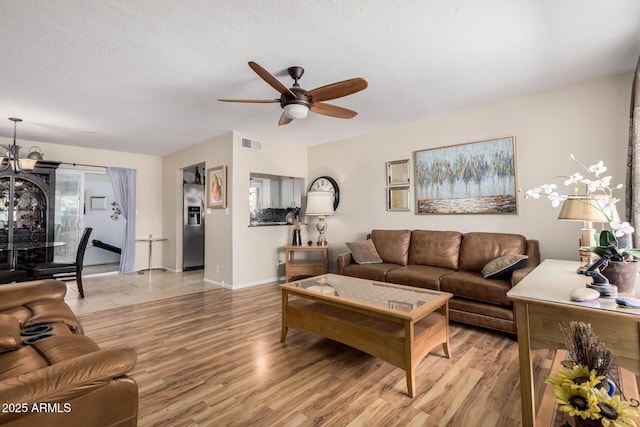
[{"x": 60, "y": 270}]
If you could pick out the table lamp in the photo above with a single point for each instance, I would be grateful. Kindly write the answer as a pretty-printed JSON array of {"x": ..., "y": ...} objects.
[
  {"x": 588, "y": 209},
  {"x": 320, "y": 204}
]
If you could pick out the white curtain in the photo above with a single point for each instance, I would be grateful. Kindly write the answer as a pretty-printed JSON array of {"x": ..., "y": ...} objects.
[{"x": 124, "y": 188}]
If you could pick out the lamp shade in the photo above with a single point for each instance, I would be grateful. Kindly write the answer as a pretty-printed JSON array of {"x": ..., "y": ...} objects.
[
  {"x": 296, "y": 111},
  {"x": 588, "y": 208},
  {"x": 27, "y": 164},
  {"x": 319, "y": 203}
]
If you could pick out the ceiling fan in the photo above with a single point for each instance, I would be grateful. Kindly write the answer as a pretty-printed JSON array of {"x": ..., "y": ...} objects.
[{"x": 296, "y": 101}]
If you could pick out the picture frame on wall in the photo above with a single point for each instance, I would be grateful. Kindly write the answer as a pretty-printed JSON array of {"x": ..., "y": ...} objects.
[
  {"x": 99, "y": 203},
  {"x": 471, "y": 178},
  {"x": 217, "y": 187},
  {"x": 398, "y": 185},
  {"x": 398, "y": 172},
  {"x": 398, "y": 198}
]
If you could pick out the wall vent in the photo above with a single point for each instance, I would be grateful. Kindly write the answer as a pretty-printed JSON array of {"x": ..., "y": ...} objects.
[{"x": 251, "y": 144}]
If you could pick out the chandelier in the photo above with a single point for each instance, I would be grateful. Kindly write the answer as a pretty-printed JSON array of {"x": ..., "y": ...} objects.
[{"x": 12, "y": 158}]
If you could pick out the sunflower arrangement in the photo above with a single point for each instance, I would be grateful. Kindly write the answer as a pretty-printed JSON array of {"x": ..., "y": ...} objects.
[{"x": 578, "y": 386}]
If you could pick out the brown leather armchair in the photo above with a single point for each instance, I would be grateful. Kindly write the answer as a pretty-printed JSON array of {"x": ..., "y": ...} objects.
[{"x": 53, "y": 375}]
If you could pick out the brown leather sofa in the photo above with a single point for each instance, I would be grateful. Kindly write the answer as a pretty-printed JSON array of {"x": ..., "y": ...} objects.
[
  {"x": 53, "y": 375},
  {"x": 452, "y": 262}
]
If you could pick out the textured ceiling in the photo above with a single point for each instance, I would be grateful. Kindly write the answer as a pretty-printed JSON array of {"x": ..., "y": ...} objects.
[{"x": 144, "y": 75}]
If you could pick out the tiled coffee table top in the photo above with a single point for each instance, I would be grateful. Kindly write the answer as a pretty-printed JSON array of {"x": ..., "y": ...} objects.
[{"x": 370, "y": 292}]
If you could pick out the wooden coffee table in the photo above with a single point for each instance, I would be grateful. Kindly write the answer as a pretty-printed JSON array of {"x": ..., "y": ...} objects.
[{"x": 398, "y": 324}]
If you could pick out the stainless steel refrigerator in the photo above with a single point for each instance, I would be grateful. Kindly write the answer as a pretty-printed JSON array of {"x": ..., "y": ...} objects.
[{"x": 193, "y": 227}]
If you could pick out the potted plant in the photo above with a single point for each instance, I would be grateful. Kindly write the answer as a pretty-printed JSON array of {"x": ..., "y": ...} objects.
[
  {"x": 622, "y": 268},
  {"x": 597, "y": 191}
]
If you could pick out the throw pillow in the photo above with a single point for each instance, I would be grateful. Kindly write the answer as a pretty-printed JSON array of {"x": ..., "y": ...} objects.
[
  {"x": 504, "y": 266},
  {"x": 364, "y": 252},
  {"x": 10, "y": 335}
]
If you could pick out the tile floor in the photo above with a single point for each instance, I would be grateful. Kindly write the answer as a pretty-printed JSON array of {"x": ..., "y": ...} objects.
[{"x": 109, "y": 290}]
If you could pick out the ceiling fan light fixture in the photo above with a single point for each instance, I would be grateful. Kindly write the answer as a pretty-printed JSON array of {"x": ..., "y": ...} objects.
[
  {"x": 296, "y": 111},
  {"x": 297, "y": 102}
]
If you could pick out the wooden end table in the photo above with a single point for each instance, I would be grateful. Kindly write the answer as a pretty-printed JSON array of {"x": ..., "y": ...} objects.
[
  {"x": 308, "y": 266},
  {"x": 542, "y": 302}
]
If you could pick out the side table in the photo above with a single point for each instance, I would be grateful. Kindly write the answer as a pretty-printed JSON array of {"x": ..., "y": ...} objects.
[
  {"x": 308, "y": 266},
  {"x": 151, "y": 239},
  {"x": 542, "y": 303}
]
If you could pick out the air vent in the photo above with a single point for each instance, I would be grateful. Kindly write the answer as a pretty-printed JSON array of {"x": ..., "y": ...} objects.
[{"x": 251, "y": 144}]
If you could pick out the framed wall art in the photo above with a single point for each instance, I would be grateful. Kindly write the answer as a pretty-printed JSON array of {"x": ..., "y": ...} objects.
[
  {"x": 398, "y": 183},
  {"x": 472, "y": 178},
  {"x": 398, "y": 172},
  {"x": 99, "y": 203},
  {"x": 398, "y": 198},
  {"x": 217, "y": 187}
]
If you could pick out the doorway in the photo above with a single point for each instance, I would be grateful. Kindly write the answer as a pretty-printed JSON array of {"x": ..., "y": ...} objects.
[{"x": 86, "y": 199}]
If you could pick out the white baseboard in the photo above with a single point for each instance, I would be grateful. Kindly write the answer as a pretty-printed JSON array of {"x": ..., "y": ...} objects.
[{"x": 243, "y": 285}]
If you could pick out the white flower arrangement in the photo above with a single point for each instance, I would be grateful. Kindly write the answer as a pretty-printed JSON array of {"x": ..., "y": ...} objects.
[{"x": 595, "y": 190}]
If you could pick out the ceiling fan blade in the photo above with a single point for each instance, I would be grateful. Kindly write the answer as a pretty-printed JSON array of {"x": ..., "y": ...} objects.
[
  {"x": 284, "y": 120},
  {"x": 258, "y": 101},
  {"x": 333, "y": 110},
  {"x": 270, "y": 79},
  {"x": 338, "y": 90}
]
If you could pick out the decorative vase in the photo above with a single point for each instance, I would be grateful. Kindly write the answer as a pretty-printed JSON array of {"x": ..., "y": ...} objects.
[
  {"x": 622, "y": 274},
  {"x": 581, "y": 422}
]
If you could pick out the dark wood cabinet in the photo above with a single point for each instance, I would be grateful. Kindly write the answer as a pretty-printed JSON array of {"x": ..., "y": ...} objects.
[{"x": 27, "y": 210}]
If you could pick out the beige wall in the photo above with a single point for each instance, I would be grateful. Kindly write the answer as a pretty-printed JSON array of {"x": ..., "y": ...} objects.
[
  {"x": 236, "y": 255},
  {"x": 256, "y": 250},
  {"x": 588, "y": 119},
  {"x": 218, "y": 237},
  {"x": 148, "y": 186}
]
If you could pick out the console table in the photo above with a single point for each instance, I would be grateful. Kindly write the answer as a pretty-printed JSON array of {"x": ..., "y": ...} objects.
[
  {"x": 542, "y": 302},
  {"x": 305, "y": 266}
]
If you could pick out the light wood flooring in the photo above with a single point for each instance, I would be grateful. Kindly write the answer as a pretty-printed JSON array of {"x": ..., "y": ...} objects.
[{"x": 213, "y": 358}]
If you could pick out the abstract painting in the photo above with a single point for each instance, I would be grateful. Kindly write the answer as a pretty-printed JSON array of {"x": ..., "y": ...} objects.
[{"x": 472, "y": 178}]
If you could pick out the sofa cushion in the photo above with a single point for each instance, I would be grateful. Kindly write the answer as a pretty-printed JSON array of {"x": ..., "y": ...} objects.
[
  {"x": 421, "y": 276},
  {"x": 392, "y": 245},
  {"x": 477, "y": 248},
  {"x": 59, "y": 349},
  {"x": 9, "y": 333},
  {"x": 472, "y": 285},
  {"x": 364, "y": 252},
  {"x": 376, "y": 272},
  {"x": 504, "y": 266},
  {"x": 52, "y": 311},
  {"x": 21, "y": 313},
  {"x": 21, "y": 361},
  {"x": 435, "y": 248}
]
